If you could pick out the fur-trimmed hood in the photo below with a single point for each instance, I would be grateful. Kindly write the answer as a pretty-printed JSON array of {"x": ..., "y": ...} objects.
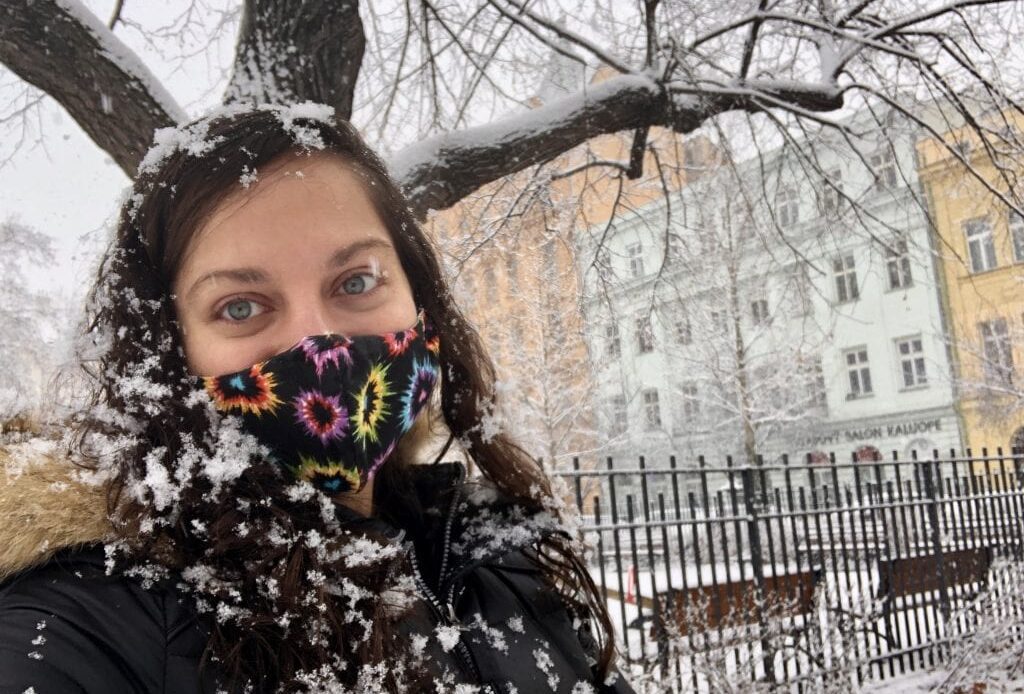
[{"x": 46, "y": 504}]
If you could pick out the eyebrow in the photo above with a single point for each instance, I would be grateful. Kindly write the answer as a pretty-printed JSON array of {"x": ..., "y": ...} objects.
[{"x": 251, "y": 275}]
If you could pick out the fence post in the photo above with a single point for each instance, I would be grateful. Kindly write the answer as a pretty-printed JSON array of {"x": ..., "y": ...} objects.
[
  {"x": 1016, "y": 454},
  {"x": 933, "y": 521},
  {"x": 757, "y": 564}
]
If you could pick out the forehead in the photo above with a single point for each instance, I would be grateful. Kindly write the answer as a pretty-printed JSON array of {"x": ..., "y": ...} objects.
[
  {"x": 296, "y": 203},
  {"x": 289, "y": 186}
]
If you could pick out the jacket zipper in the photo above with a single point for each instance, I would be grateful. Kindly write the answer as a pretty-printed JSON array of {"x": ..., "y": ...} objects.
[{"x": 446, "y": 612}]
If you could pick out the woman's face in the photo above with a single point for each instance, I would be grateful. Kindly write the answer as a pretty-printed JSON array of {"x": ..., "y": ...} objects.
[{"x": 301, "y": 252}]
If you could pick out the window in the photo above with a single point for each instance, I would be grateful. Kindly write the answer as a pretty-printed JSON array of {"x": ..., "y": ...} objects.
[
  {"x": 741, "y": 219},
  {"x": 787, "y": 207},
  {"x": 720, "y": 322},
  {"x": 997, "y": 351},
  {"x": 684, "y": 331},
  {"x": 883, "y": 166},
  {"x": 798, "y": 289},
  {"x": 689, "y": 405},
  {"x": 644, "y": 334},
  {"x": 831, "y": 195},
  {"x": 846, "y": 278},
  {"x": 911, "y": 359},
  {"x": 619, "y": 416},
  {"x": 676, "y": 249},
  {"x": 1017, "y": 236},
  {"x": 652, "y": 411},
  {"x": 897, "y": 261},
  {"x": 859, "y": 373},
  {"x": 603, "y": 260},
  {"x": 706, "y": 240},
  {"x": 759, "y": 311},
  {"x": 612, "y": 342},
  {"x": 636, "y": 261},
  {"x": 980, "y": 246},
  {"x": 819, "y": 394},
  {"x": 963, "y": 147}
]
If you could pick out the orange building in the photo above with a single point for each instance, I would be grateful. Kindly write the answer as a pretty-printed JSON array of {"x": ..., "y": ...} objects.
[{"x": 510, "y": 247}]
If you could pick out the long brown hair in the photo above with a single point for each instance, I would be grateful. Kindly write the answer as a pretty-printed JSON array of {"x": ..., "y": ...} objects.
[{"x": 190, "y": 499}]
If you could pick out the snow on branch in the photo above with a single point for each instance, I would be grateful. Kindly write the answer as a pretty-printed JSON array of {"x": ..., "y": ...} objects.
[
  {"x": 439, "y": 171},
  {"x": 290, "y": 53},
  {"x": 63, "y": 49}
]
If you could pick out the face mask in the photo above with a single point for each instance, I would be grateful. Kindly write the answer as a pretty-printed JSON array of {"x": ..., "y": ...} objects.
[{"x": 332, "y": 408}]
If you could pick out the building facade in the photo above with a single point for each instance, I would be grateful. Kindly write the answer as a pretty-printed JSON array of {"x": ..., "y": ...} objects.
[
  {"x": 981, "y": 264},
  {"x": 764, "y": 311}
]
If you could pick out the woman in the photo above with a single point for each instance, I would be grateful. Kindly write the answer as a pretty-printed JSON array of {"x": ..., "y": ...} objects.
[{"x": 275, "y": 349}]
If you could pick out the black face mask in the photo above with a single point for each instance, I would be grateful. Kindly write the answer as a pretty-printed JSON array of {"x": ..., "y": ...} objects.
[{"x": 332, "y": 408}]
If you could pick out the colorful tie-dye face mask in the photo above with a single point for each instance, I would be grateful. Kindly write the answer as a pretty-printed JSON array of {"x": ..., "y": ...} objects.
[{"x": 332, "y": 408}]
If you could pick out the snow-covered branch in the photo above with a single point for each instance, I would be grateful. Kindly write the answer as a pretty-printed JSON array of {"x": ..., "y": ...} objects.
[
  {"x": 63, "y": 49},
  {"x": 440, "y": 171}
]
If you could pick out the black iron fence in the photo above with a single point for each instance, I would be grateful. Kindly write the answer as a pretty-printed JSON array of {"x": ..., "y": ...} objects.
[{"x": 796, "y": 573}]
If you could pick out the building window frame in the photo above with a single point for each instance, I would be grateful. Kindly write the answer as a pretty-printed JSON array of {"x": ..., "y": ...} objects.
[
  {"x": 910, "y": 357},
  {"x": 652, "y": 409},
  {"x": 996, "y": 351},
  {"x": 897, "y": 265},
  {"x": 719, "y": 322},
  {"x": 687, "y": 406},
  {"x": 818, "y": 386},
  {"x": 1015, "y": 225},
  {"x": 831, "y": 194},
  {"x": 787, "y": 207},
  {"x": 981, "y": 246},
  {"x": 844, "y": 272},
  {"x": 635, "y": 254},
  {"x": 683, "y": 328},
  {"x": 612, "y": 340},
  {"x": 883, "y": 168},
  {"x": 759, "y": 311},
  {"x": 858, "y": 373},
  {"x": 644, "y": 334},
  {"x": 618, "y": 415}
]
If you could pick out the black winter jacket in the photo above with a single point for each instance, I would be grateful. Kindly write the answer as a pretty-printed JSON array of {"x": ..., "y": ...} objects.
[{"x": 490, "y": 621}]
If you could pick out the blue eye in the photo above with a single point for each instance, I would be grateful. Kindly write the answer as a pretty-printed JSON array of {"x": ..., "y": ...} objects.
[
  {"x": 239, "y": 310},
  {"x": 359, "y": 284}
]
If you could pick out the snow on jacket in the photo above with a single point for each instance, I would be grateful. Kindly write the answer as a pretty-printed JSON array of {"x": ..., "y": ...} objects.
[{"x": 67, "y": 626}]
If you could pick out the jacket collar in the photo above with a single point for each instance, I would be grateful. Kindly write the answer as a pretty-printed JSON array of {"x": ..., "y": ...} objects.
[
  {"x": 483, "y": 525},
  {"x": 47, "y": 504}
]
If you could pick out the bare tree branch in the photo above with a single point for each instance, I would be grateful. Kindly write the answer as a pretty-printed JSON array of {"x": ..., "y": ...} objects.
[
  {"x": 440, "y": 171},
  {"x": 291, "y": 52},
  {"x": 650, "y": 7},
  {"x": 63, "y": 49},
  {"x": 116, "y": 15},
  {"x": 562, "y": 33}
]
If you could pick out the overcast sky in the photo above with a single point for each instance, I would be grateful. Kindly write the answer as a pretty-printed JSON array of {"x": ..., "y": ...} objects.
[{"x": 58, "y": 181}]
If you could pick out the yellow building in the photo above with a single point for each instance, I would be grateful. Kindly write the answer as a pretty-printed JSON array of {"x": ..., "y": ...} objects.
[{"x": 980, "y": 254}]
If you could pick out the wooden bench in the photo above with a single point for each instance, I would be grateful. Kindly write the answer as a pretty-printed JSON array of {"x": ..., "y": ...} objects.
[
  {"x": 906, "y": 576},
  {"x": 927, "y": 574},
  {"x": 735, "y": 603}
]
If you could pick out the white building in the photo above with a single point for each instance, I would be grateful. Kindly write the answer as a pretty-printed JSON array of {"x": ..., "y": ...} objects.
[{"x": 776, "y": 311}]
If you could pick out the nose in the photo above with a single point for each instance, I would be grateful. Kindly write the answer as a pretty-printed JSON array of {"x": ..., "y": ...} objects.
[{"x": 309, "y": 318}]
